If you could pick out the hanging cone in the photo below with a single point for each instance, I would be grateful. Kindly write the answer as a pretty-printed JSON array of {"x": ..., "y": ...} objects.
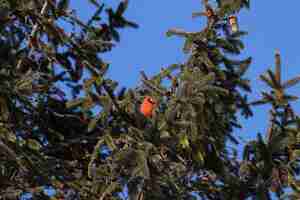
[
  {"x": 233, "y": 23},
  {"x": 209, "y": 12}
]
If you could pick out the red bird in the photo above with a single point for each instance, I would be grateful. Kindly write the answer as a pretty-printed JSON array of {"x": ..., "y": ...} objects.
[{"x": 148, "y": 106}]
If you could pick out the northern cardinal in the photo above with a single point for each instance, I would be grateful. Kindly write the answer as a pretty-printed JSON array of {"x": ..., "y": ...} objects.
[{"x": 148, "y": 106}]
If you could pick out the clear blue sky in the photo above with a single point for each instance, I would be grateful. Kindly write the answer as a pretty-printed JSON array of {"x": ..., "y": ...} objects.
[{"x": 271, "y": 25}]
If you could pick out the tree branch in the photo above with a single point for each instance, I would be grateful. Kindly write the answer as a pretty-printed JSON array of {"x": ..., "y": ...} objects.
[{"x": 34, "y": 31}]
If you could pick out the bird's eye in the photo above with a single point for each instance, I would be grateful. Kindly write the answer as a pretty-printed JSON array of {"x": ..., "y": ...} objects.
[{"x": 151, "y": 101}]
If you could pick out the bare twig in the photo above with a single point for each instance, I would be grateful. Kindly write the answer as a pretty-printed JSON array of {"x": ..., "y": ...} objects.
[
  {"x": 143, "y": 74},
  {"x": 34, "y": 32}
]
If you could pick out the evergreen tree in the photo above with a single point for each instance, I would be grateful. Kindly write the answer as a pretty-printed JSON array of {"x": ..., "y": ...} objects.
[{"x": 168, "y": 138}]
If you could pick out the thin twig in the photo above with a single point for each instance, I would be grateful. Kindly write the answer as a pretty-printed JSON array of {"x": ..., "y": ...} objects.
[
  {"x": 33, "y": 33},
  {"x": 143, "y": 74}
]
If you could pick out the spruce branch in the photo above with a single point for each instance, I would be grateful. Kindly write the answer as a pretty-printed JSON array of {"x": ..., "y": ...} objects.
[
  {"x": 12, "y": 155},
  {"x": 34, "y": 32}
]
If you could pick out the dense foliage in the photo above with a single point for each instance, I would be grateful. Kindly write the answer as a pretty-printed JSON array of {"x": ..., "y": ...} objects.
[{"x": 64, "y": 124}]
